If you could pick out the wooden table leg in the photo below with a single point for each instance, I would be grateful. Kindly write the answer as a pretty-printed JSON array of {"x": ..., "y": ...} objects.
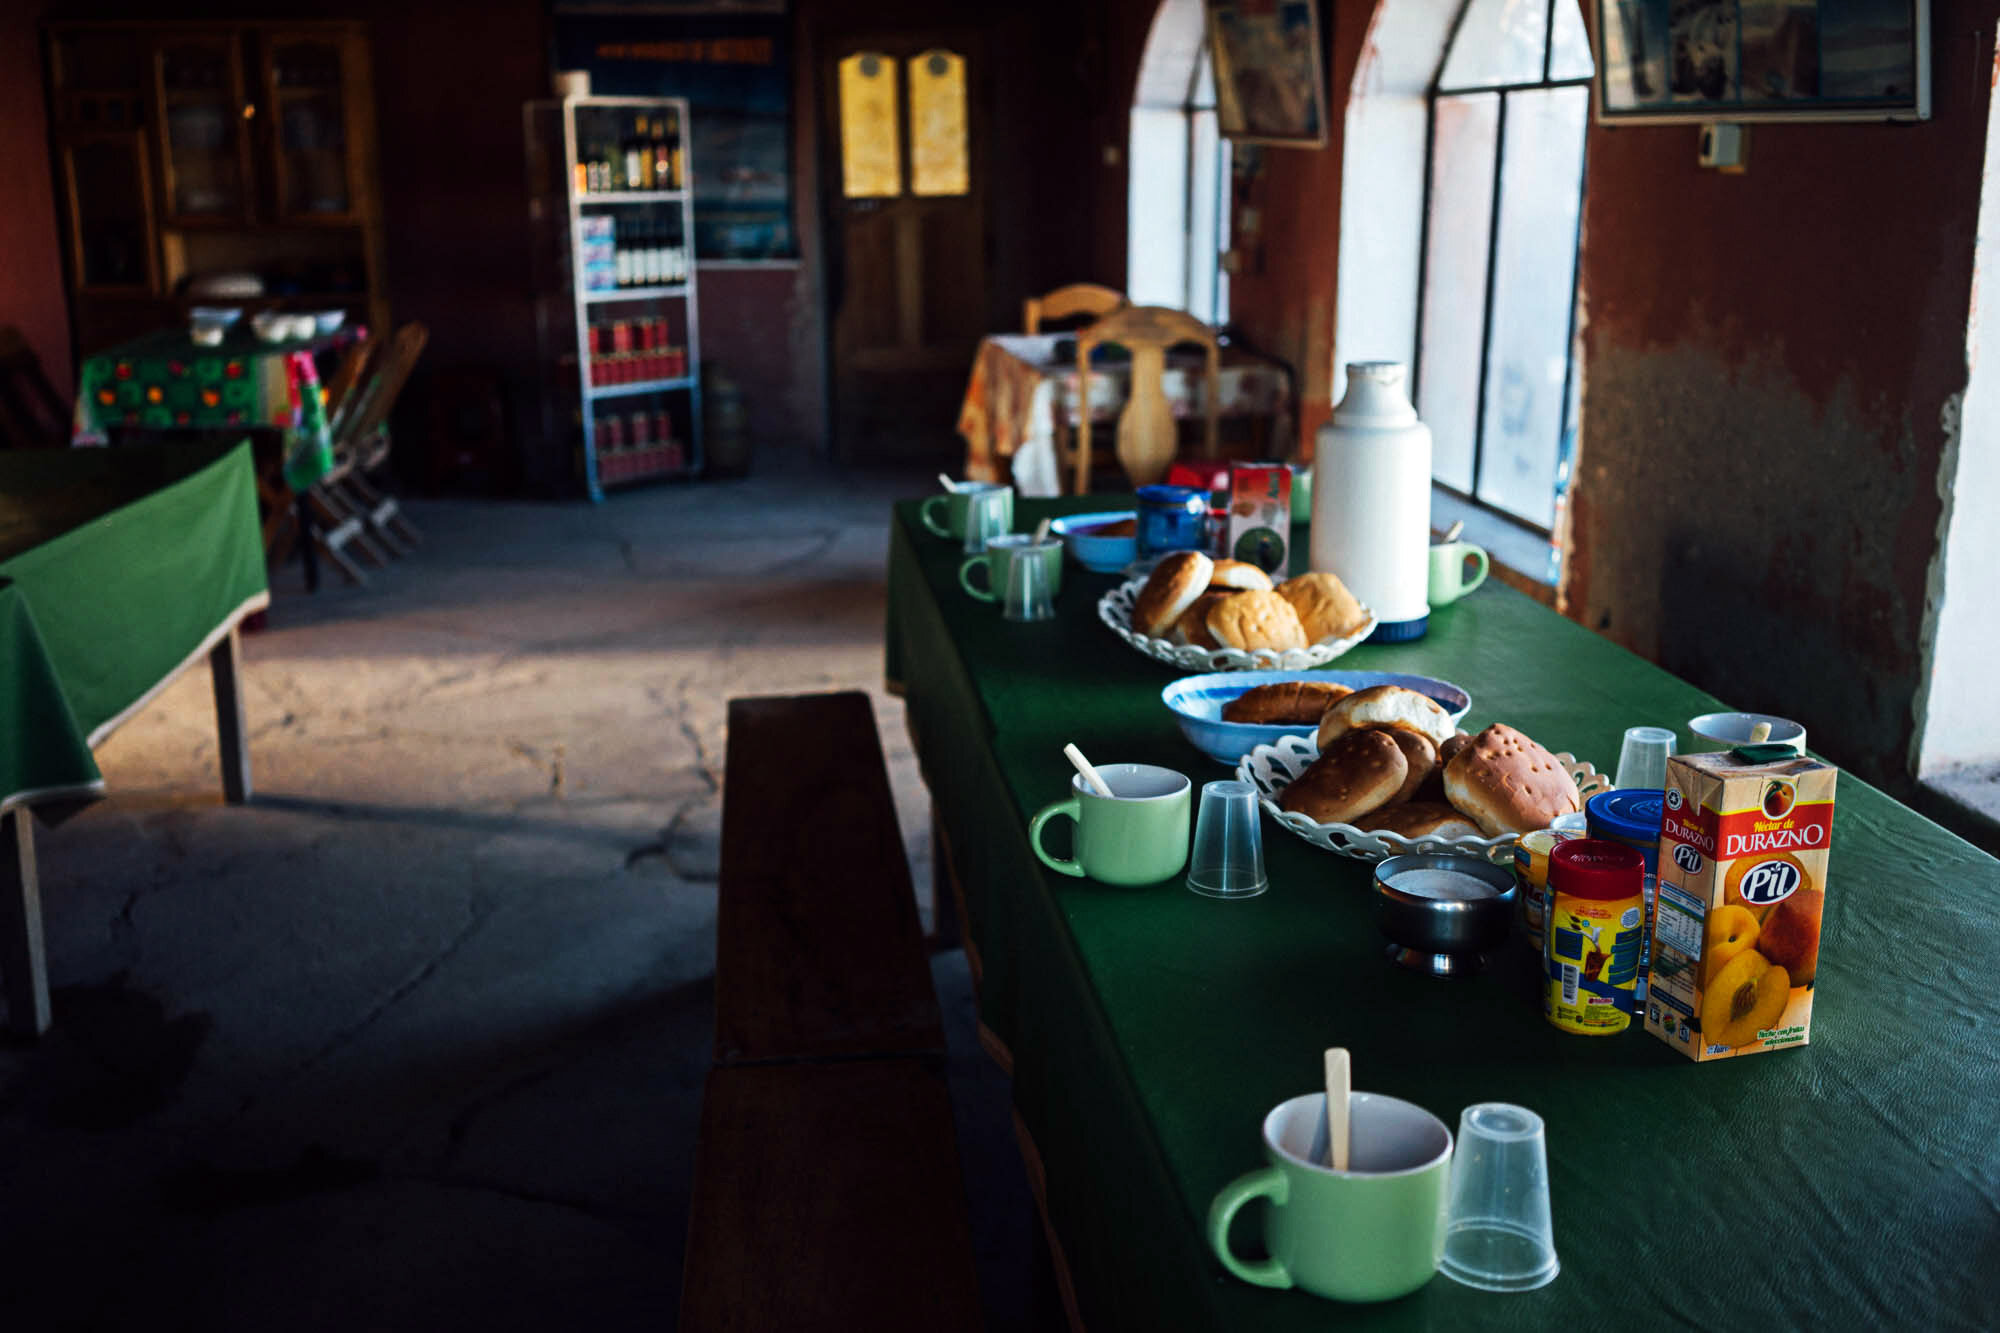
[
  {"x": 946, "y": 932},
  {"x": 225, "y": 663},
  {"x": 23, "y": 963}
]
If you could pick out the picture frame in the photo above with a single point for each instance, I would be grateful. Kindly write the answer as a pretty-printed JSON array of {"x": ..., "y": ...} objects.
[
  {"x": 1270, "y": 71},
  {"x": 1680, "y": 61}
]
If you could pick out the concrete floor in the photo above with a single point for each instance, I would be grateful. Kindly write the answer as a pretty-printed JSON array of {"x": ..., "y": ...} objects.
[{"x": 416, "y": 1040}]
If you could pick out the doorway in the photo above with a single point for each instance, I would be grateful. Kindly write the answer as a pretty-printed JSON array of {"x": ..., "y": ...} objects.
[{"x": 906, "y": 240}]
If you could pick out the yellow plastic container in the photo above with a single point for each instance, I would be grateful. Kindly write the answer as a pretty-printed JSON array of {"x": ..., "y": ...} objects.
[{"x": 1590, "y": 947}]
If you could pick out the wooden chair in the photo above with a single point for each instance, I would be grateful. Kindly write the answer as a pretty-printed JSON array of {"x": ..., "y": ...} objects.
[
  {"x": 32, "y": 414},
  {"x": 361, "y": 432},
  {"x": 1146, "y": 439},
  {"x": 1079, "y": 298}
]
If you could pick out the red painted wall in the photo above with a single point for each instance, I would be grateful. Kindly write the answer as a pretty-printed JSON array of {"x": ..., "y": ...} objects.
[
  {"x": 1766, "y": 361},
  {"x": 32, "y": 294}
]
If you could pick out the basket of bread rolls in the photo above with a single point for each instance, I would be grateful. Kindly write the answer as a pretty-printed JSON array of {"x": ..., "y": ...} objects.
[
  {"x": 1387, "y": 773},
  {"x": 1204, "y": 614}
]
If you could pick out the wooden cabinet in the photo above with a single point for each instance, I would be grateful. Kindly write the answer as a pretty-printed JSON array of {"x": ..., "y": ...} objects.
[{"x": 192, "y": 149}]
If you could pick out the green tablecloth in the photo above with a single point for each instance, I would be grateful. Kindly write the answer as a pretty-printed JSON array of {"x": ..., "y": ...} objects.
[
  {"x": 1851, "y": 1184},
  {"x": 117, "y": 568}
]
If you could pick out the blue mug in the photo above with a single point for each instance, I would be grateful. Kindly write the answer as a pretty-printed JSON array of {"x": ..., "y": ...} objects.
[{"x": 1172, "y": 518}]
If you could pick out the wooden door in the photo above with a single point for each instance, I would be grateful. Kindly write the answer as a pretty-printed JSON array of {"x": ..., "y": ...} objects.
[{"x": 906, "y": 240}]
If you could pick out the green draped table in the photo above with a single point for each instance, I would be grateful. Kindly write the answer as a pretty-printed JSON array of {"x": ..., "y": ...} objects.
[
  {"x": 119, "y": 569},
  {"x": 1851, "y": 1184}
]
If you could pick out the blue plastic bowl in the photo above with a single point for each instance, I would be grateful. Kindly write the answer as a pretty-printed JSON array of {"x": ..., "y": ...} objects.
[
  {"x": 1104, "y": 555},
  {"x": 1197, "y": 703}
]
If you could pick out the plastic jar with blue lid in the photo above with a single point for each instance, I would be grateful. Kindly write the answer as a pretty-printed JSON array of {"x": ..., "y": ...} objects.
[
  {"x": 1632, "y": 815},
  {"x": 1172, "y": 518}
]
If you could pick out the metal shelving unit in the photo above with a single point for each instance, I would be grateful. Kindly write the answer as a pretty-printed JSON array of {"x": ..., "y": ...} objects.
[{"x": 566, "y": 304}]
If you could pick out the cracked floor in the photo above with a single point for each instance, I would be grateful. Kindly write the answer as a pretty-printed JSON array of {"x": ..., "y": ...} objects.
[{"x": 416, "y": 1040}]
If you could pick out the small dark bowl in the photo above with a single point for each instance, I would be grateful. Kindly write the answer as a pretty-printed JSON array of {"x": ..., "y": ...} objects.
[{"x": 1444, "y": 937}]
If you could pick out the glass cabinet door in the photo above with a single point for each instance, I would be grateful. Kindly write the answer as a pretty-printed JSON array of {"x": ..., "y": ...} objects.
[
  {"x": 111, "y": 211},
  {"x": 203, "y": 166},
  {"x": 306, "y": 81}
]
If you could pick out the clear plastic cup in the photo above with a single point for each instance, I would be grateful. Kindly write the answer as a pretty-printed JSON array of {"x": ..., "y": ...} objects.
[
  {"x": 1228, "y": 857},
  {"x": 1030, "y": 591},
  {"x": 1498, "y": 1236},
  {"x": 1642, "y": 760}
]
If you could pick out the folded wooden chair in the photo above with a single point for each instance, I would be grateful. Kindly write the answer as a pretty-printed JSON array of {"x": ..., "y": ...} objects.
[{"x": 361, "y": 445}]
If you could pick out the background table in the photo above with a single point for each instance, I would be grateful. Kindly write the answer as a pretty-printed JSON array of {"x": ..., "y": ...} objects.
[
  {"x": 1022, "y": 392},
  {"x": 1853, "y": 1183},
  {"x": 119, "y": 569}
]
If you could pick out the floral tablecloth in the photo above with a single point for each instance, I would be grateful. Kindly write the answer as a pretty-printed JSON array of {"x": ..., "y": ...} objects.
[
  {"x": 1021, "y": 388},
  {"x": 164, "y": 381}
]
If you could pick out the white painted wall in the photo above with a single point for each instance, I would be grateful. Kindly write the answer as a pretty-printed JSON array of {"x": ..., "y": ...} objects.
[
  {"x": 1961, "y": 714},
  {"x": 1156, "y": 208}
]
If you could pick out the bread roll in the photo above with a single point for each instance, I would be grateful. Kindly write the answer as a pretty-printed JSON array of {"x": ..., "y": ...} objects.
[
  {"x": 1300, "y": 702},
  {"x": 1452, "y": 744},
  {"x": 1509, "y": 784},
  {"x": 1361, "y": 771},
  {"x": 1386, "y": 706},
  {"x": 1192, "y": 627},
  {"x": 1256, "y": 620},
  {"x": 1326, "y": 608},
  {"x": 1423, "y": 761},
  {"x": 1419, "y": 819},
  {"x": 1238, "y": 574},
  {"x": 1176, "y": 581}
]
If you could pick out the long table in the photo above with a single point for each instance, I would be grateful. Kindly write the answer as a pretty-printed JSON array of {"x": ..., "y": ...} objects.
[
  {"x": 119, "y": 570},
  {"x": 1852, "y": 1184}
]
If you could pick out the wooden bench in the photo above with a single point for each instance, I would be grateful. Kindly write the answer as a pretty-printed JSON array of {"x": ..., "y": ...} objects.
[{"x": 827, "y": 1189}]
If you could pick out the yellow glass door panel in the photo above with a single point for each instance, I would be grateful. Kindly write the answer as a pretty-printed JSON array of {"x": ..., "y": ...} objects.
[
  {"x": 870, "y": 137},
  {"x": 938, "y": 148}
]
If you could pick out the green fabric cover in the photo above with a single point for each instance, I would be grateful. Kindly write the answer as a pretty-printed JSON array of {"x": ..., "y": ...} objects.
[
  {"x": 119, "y": 564},
  {"x": 1850, "y": 1184}
]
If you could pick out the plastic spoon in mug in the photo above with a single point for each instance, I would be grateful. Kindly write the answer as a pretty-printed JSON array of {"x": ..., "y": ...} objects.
[
  {"x": 1760, "y": 733},
  {"x": 947, "y": 482},
  {"x": 1042, "y": 531},
  {"x": 1338, "y": 1081},
  {"x": 1090, "y": 775}
]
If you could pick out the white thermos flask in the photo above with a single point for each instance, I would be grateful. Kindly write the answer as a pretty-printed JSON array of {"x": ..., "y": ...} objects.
[{"x": 1371, "y": 518}]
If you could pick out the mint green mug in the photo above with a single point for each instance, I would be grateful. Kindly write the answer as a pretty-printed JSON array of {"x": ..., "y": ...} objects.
[
  {"x": 1370, "y": 1233},
  {"x": 1136, "y": 835},
  {"x": 974, "y": 514},
  {"x": 994, "y": 559},
  {"x": 1448, "y": 579}
]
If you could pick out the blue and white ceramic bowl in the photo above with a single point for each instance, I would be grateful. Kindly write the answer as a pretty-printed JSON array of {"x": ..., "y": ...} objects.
[
  {"x": 1197, "y": 703},
  {"x": 1104, "y": 555}
]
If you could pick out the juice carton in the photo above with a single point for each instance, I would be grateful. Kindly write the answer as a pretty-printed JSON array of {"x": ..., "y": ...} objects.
[
  {"x": 1742, "y": 887},
  {"x": 1260, "y": 515}
]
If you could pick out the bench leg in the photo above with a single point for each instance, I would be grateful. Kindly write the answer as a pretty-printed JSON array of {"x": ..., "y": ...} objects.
[
  {"x": 23, "y": 962},
  {"x": 225, "y": 662}
]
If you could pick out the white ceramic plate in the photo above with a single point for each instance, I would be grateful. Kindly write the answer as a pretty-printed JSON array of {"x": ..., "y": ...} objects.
[
  {"x": 1271, "y": 768},
  {"x": 1115, "y": 610}
]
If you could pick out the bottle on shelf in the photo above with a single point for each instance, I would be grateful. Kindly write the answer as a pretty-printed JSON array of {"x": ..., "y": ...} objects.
[
  {"x": 679, "y": 172},
  {"x": 663, "y": 158},
  {"x": 630, "y": 145}
]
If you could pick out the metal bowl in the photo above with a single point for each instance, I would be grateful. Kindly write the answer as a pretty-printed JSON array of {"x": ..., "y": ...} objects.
[{"x": 1439, "y": 935}]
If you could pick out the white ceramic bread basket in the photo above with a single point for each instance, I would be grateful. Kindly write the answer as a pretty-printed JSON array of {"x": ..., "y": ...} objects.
[
  {"x": 1115, "y": 610},
  {"x": 1271, "y": 768}
]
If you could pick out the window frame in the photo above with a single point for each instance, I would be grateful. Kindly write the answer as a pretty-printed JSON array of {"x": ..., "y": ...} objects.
[{"x": 1565, "y": 433}]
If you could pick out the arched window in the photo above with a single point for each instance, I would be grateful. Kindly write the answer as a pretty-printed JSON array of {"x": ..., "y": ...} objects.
[
  {"x": 1177, "y": 214},
  {"x": 1494, "y": 372}
]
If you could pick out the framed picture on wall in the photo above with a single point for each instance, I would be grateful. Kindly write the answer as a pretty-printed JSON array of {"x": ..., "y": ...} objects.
[
  {"x": 1662, "y": 61},
  {"x": 1269, "y": 81}
]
